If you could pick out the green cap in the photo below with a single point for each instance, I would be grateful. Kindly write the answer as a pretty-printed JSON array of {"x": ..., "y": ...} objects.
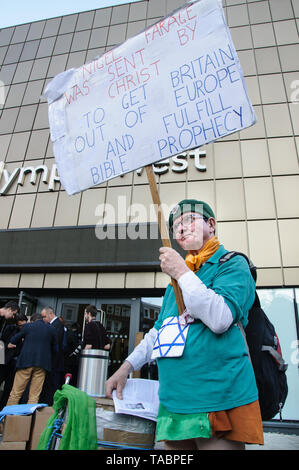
[{"x": 190, "y": 205}]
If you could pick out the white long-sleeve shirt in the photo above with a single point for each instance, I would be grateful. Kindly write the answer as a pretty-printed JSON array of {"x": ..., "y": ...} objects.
[{"x": 201, "y": 304}]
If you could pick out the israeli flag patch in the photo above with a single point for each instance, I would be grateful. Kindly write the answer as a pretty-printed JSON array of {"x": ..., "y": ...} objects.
[{"x": 171, "y": 338}]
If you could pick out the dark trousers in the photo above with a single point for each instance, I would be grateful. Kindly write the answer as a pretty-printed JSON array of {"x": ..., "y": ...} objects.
[
  {"x": 53, "y": 382},
  {"x": 7, "y": 374}
]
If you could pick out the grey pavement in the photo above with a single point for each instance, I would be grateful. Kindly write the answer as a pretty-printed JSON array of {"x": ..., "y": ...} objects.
[
  {"x": 277, "y": 441},
  {"x": 273, "y": 441}
]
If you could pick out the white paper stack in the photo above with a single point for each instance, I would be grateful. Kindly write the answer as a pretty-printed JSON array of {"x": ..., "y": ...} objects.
[{"x": 140, "y": 398}]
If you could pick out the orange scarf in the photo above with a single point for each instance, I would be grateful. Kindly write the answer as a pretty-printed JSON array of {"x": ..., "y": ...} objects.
[{"x": 194, "y": 262}]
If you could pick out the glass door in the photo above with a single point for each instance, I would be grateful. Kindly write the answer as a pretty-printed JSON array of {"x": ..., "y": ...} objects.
[
  {"x": 117, "y": 324},
  {"x": 278, "y": 305}
]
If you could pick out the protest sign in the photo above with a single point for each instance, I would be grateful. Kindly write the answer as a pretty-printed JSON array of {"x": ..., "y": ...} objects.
[{"x": 175, "y": 86}]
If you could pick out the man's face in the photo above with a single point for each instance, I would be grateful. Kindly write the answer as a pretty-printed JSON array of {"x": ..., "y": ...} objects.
[
  {"x": 46, "y": 316},
  {"x": 9, "y": 313},
  {"x": 191, "y": 231}
]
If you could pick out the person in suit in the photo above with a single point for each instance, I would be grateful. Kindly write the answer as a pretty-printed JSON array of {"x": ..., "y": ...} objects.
[
  {"x": 8, "y": 370},
  {"x": 7, "y": 312},
  {"x": 54, "y": 378},
  {"x": 34, "y": 360}
]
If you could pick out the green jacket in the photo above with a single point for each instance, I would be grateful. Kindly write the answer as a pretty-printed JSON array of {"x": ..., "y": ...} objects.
[{"x": 214, "y": 373}]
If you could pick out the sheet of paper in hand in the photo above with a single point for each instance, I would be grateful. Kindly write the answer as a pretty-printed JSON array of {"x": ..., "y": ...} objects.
[{"x": 175, "y": 86}]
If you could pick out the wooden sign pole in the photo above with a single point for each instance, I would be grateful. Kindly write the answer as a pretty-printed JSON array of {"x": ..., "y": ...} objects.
[{"x": 163, "y": 231}]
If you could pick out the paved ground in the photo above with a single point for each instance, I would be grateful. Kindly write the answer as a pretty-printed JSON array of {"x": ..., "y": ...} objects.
[
  {"x": 273, "y": 441},
  {"x": 277, "y": 441}
]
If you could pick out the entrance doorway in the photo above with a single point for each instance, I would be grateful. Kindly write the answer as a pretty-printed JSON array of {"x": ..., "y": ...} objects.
[
  {"x": 73, "y": 313},
  {"x": 120, "y": 317},
  {"x": 117, "y": 324}
]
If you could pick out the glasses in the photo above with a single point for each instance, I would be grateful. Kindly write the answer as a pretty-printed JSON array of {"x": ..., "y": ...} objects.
[{"x": 186, "y": 221}]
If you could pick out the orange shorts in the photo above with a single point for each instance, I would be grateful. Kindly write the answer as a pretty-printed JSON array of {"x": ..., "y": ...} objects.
[{"x": 243, "y": 424}]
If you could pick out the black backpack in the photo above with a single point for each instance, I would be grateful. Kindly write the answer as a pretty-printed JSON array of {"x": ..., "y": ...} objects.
[{"x": 265, "y": 354}]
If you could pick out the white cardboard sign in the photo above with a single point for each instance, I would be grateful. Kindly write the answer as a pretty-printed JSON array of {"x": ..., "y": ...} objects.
[{"x": 175, "y": 86}]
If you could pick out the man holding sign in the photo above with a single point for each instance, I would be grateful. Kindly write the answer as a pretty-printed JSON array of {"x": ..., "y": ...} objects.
[
  {"x": 177, "y": 85},
  {"x": 207, "y": 389}
]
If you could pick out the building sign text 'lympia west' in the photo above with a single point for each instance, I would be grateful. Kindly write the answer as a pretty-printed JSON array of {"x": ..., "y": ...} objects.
[{"x": 177, "y": 164}]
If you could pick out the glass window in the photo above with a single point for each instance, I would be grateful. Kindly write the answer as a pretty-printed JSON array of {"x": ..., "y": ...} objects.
[
  {"x": 92, "y": 54},
  {"x": 33, "y": 92},
  {"x": 80, "y": 41},
  {"x": 37, "y": 144},
  {"x": 278, "y": 304},
  {"x": 135, "y": 28},
  {"x": 102, "y": 17},
  {"x": 76, "y": 59},
  {"x": 36, "y": 30},
  {"x": 17, "y": 147},
  {"x": 29, "y": 50},
  {"x": 40, "y": 68},
  {"x": 98, "y": 37},
  {"x": 120, "y": 14},
  {"x": 7, "y": 73},
  {"x": 13, "y": 53},
  {"x": 5, "y": 36},
  {"x": 4, "y": 144},
  {"x": 23, "y": 72},
  {"x": 20, "y": 33},
  {"x": 26, "y": 118},
  {"x": 42, "y": 120},
  {"x": 2, "y": 54},
  {"x": 15, "y": 95},
  {"x": 68, "y": 24},
  {"x": 63, "y": 43},
  {"x": 8, "y": 120},
  {"x": 46, "y": 47},
  {"x": 57, "y": 65},
  {"x": 85, "y": 20},
  {"x": 137, "y": 11},
  {"x": 149, "y": 312},
  {"x": 51, "y": 28},
  {"x": 117, "y": 34},
  {"x": 117, "y": 323}
]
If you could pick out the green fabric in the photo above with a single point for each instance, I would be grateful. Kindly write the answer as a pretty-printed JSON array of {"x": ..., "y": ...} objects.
[
  {"x": 214, "y": 372},
  {"x": 80, "y": 432},
  {"x": 190, "y": 205},
  {"x": 180, "y": 426}
]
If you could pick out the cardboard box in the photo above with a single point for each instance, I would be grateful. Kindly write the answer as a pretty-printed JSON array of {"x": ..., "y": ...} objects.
[
  {"x": 125, "y": 437},
  {"x": 16, "y": 428},
  {"x": 39, "y": 423},
  {"x": 106, "y": 403},
  {"x": 13, "y": 445}
]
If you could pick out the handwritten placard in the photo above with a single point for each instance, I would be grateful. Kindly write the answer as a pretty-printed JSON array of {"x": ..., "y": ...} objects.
[{"x": 177, "y": 85}]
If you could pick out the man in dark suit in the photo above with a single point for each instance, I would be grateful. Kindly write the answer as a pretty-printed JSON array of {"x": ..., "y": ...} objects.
[
  {"x": 54, "y": 378},
  {"x": 34, "y": 359},
  {"x": 7, "y": 312},
  {"x": 8, "y": 370}
]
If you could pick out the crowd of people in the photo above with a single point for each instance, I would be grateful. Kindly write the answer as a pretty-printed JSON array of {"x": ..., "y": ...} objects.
[{"x": 39, "y": 352}]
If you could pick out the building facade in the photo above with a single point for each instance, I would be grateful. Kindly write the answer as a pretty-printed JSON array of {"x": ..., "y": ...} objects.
[{"x": 100, "y": 246}]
